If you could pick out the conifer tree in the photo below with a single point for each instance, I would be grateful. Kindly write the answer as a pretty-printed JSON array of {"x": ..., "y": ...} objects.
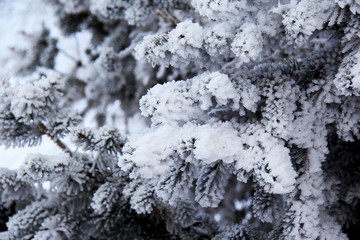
[{"x": 249, "y": 114}]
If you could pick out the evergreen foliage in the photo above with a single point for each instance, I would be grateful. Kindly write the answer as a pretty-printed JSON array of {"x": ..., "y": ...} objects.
[{"x": 250, "y": 122}]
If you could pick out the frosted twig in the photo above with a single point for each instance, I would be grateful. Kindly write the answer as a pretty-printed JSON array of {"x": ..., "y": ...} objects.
[{"x": 58, "y": 142}]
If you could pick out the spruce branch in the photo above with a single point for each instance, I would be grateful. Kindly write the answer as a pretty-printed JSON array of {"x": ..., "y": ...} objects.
[{"x": 56, "y": 140}]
